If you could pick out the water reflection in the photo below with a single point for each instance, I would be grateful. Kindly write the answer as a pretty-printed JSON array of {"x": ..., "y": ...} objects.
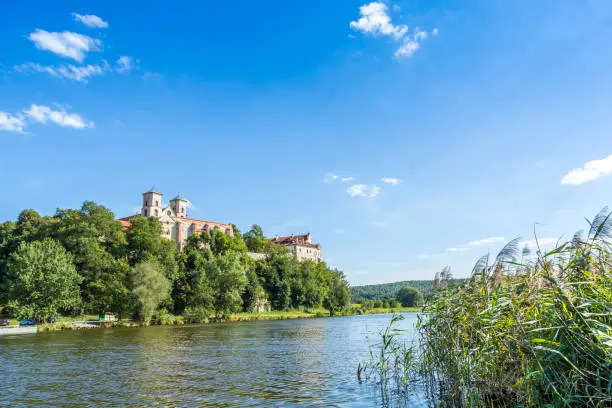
[{"x": 309, "y": 362}]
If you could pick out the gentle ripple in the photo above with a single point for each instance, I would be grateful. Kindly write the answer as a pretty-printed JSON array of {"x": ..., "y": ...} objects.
[{"x": 306, "y": 362}]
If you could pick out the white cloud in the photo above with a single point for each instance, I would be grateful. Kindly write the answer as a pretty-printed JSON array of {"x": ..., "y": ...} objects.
[
  {"x": 90, "y": 20},
  {"x": 408, "y": 49},
  {"x": 339, "y": 231},
  {"x": 66, "y": 44},
  {"x": 391, "y": 180},
  {"x": 124, "y": 64},
  {"x": 11, "y": 123},
  {"x": 331, "y": 177},
  {"x": 458, "y": 249},
  {"x": 72, "y": 72},
  {"x": 486, "y": 241},
  {"x": 540, "y": 241},
  {"x": 376, "y": 21},
  {"x": 363, "y": 190},
  {"x": 592, "y": 170},
  {"x": 44, "y": 114}
]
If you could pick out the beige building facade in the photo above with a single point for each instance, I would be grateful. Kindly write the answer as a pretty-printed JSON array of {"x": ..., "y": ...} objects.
[
  {"x": 176, "y": 223},
  {"x": 301, "y": 246}
]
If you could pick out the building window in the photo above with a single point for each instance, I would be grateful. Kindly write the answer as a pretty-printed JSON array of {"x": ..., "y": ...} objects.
[
  {"x": 169, "y": 212},
  {"x": 182, "y": 210},
  {"x": 146, "y": 203},
  {"x": 145, "y": 212},
  {"x": 157, "y": 203},
  {"x": 156, "y": 213}
]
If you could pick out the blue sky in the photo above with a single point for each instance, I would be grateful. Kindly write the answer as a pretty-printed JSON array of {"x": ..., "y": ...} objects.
[{"x": 291, "y": 114}]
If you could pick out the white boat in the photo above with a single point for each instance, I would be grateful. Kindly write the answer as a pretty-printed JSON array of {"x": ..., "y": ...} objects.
[{"x": 17, "y": 330}]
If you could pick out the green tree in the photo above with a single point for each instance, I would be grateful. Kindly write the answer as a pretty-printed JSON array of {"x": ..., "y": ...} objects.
[
  {"x": 146, "y": 243},
  {"x": 43, "y": 281},
  {"x": 339, "y": 294},
  {"x": 253, "y": 292},
  {"x": 227, "y": 279},
  {"x": 254, "y": 239},
  {"x": 149, "y": 287},
  {"x": 410, "y": 297}
]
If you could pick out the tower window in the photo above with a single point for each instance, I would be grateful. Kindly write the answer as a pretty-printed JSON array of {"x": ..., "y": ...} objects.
[
  {"x": 145, "y": 212},
  {"x": 157, "y": 203},
  {"x": 146, "y": 203},
  {"x": 156, "y": 213}
]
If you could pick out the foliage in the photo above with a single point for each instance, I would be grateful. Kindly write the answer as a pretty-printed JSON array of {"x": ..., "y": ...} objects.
[
  {"x": 409, "y": 297},
  {"x": 339, "y": 295},
  {"x": 212, "y": 275},
  {"x": 391, "y": 365},
  {"x": 535, "y": 332},
  {"x": 227, "y": 279},
  {"x": 389, "y": 290},
  {"x": 43, "y": 281},
  {"x": 149, "y": 287}
]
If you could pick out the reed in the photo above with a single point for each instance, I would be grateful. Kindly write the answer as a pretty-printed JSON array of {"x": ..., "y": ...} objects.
[{"x": 535, "y": 332}]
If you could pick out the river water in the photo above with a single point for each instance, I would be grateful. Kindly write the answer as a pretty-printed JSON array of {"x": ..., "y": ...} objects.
[{"x": 306, "y": 362}]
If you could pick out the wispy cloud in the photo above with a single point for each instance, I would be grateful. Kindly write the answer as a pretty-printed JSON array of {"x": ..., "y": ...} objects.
[
  {"x": 90, "y": 20},
  {"x": 72, "y": 72},
  {"x": 458, "y": 249},
  {"x": 540, "y": 241},
  {"x": 391, "y": 180},
  {"x": 41, "y": 114},
  {"x": 44, "y": 114},
  {"x": 486, "y": 241},
  {"x": 375, "y": 20},
  {"x": 66, "y": 43},
  {"x": 339, "y": 231},
  {"x": 591, "y": 170},
  {"x": 363, "y": 190},
  {"x": 124, "y": 64},
  {"x": 11, "y": 123},
  {"x": 331, "y": 177}
]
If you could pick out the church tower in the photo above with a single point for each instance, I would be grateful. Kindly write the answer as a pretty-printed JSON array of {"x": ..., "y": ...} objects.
[
  {"x": 151, "y": 203},
  {"x": 179, "y": 206}
]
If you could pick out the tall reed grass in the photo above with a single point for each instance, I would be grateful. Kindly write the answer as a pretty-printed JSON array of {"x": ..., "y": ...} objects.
[
  {"x": 532, "y": 332},
  {"x": 525, "y": 330}
]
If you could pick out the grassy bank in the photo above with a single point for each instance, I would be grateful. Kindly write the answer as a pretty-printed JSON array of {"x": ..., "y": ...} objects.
[{"x": 91, "y": 321}]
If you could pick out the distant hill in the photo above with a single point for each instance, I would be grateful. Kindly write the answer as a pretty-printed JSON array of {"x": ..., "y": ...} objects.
[{"x": 389, "y": 290}]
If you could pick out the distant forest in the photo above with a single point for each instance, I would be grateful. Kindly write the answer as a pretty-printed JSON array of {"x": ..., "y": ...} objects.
[{"x": 389, "y": 290}]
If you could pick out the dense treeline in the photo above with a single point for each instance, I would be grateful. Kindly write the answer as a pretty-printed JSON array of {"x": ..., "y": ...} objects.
[
  {"x": 85, "y": 262},
  {"x": 385, "y": 291}
]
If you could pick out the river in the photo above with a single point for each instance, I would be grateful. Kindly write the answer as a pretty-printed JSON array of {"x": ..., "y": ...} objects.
[{"x": 305, "y": 362}]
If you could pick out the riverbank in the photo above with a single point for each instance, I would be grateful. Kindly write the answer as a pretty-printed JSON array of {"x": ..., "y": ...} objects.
[{"x": 91, "y": 322}]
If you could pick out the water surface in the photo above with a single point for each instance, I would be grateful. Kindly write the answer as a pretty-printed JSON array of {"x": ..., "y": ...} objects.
[{"x": 306, "y": 362}]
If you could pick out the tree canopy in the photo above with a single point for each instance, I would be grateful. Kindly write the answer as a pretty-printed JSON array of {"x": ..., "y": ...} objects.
[{"x": 84, "y": 261}]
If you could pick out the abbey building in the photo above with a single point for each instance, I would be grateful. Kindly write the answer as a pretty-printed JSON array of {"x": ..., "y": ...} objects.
[{"x": 177, "y": 226}]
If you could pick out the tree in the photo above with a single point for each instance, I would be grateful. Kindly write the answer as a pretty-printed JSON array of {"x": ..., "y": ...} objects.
[
  {"x": 253, "y": 292},
  {"x": 254, "y": 239},
  {"x": 42, "y": 280},
  {"x": 410, "y": 297},
  {"x": 146, "y": 243},
  {"x": 227, "y": 279},
  {"x": 150, "y": 287},
  {"x": 339, "y": 295}
]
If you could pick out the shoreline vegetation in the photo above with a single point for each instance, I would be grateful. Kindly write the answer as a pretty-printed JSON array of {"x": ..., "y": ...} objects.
[
  {"x": 90, "y": 322},
  {"x": 524, "y": 330}
]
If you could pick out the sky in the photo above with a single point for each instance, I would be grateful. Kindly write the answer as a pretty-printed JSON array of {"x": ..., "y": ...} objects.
[{"x": 405, "y": 135}]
